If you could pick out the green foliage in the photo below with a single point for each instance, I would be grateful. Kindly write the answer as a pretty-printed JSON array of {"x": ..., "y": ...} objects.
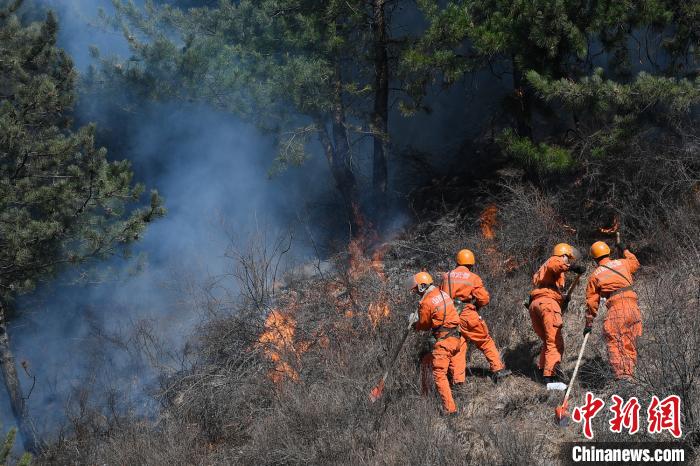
[
  {"x": 279, "y": 63},
  {"x": 610, "y": 113},
  {"x": 680, "y": 42},
  {"x": 543, "y": 158},
  {"x": 61, "y": 201},
  {"x": 601, "y": 98},
  {"x": 467, "y": 35},
  {"x": 556, "y": 46},
  {"x": 554, "y": 38},
  {"x": 24, "y": 460}
]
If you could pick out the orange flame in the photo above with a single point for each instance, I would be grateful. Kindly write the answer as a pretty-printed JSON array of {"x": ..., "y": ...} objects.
[
  {"x": 356, "y": 255},
  {"x": 378, "y": 311},
  {"x": 365, "y": 257},
  {"x": 361, "y": 264},
  {"x": 359, "y": 246},
  {"x": 612, "y": 229},
  {"x": 278, "y": 343},
  {"x": 487, "y": 219},
  {"x": 378, "y": 262}
]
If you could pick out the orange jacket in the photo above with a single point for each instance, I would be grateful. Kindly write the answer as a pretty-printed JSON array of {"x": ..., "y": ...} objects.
[
  {"x": 436, "y": 310},
  {"x": 464, "y": 285},
  {"x": 604, "y": 281},
  {"x": 549, "y": 280}
]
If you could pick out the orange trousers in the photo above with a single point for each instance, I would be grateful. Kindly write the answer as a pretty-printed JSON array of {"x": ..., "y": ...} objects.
[
  {"x": 545, "y": 314},
  {"x": 621, "y": 328},
  {"x": 457, "y": 369},
  {"x": 474, "y": 329},
  {"x": 458, "y": 366},
  {"x": 442, "y": 357}
]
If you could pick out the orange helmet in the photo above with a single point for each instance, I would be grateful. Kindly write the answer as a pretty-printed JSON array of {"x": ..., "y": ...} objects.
[
  {"x": 600, "y": 249},
  {"x": 421, "y": 280},
  {"x": 563, "y": 249},
  {"x": 465, "y": 257}
]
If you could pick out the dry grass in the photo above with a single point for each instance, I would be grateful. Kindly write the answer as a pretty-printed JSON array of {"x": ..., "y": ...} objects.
[{"x": 225, "y": 410}]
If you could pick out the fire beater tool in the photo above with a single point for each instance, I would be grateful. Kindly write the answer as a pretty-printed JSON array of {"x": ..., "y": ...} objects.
[
  {"x": 560, "y": 412},
  {"x": 560, "y": 385},
  {"x": 378, "y": 389}
]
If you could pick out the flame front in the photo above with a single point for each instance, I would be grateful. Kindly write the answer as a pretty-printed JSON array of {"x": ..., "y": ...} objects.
[
  {"x": 365, "y": 257},
  {"x": 377, "y": 311},
  {"x": 277, "y": 341},
  {"x": 487, "y": 220},
  {"x": 496, "y": 260},
  {"x": 378, "y": 262}
]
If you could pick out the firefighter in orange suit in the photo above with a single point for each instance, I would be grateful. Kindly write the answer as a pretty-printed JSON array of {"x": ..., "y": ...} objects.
[
  {"x": 469, "y": 294},
  {"x": 613, "y": 280},
  {"x": 546, "y": 300},
  {"x": 437, "y": 313}
]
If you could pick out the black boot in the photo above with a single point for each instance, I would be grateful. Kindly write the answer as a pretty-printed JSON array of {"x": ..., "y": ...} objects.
[{"x": 500, "y": 375}]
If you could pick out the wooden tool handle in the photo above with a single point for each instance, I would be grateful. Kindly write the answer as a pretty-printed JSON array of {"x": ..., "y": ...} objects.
[{"x": 578, "y": 362}]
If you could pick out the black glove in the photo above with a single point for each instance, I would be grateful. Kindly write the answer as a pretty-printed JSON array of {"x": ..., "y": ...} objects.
[
  {"x": 621, "y": 248},
  {"x": 587, "y": 329},
  {"x": 578, "y": 268}
]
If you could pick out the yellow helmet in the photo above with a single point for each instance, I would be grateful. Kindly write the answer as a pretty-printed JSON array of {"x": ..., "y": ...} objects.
[
  {"x": 421, "y": 280},
  {"x": 600, "y": 249},
  {"x": 465, "y": 257},
  {"x": 563, "y": 249}
]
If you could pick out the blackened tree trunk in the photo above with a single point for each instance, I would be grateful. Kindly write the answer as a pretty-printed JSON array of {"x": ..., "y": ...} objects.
[
  {"x": 14, "y": 390},
  {"x": 523, "y": 99},
  {"x": 336, "y": 147},
  {"x": 380, "y": 116},
  {"x": 339, "y": 162}
]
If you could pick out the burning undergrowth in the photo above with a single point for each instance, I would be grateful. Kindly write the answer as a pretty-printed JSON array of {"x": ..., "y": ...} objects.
[{"x": 283, "y": 377}]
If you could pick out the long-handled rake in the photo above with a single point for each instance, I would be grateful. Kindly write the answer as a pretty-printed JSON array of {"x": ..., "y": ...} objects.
[
  {"x": 378, "y": 389},
  {"x": 561, "y": 412}
]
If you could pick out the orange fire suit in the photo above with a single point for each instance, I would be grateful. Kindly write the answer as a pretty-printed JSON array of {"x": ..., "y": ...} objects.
[
  {"x": 468, "y": 290},
  {"x": 623, "y": 325},
  {"x": 545, "y": 311},
  {"x": 437, "y": 313}
]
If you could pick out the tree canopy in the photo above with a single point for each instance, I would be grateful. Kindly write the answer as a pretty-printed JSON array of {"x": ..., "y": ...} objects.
[
  {"x": 62, "y": 202},
  {"x": 307, "y": 72}
]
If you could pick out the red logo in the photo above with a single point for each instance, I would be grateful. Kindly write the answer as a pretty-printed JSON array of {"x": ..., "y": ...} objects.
[
  {"x": 587, "y": 412},
  {"x": 665, "y": 415},
  {"x": 662, "y": 415},
  {"x": 625, "y": 415}
]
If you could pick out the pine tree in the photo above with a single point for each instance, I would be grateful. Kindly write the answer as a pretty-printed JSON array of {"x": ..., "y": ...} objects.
[
  {"x": 562, "y": 41},
  {"x": 304, "y": 71},
  {"x": 62, "y": 202},
  {"x": 469, "y": 35}
]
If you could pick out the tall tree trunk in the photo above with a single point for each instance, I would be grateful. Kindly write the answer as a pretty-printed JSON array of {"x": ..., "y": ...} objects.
[
  {"x": 380, "y": 116},
  {"x": 14, "y": 390},
  {"x": 341, "y": 164},
  {"x": 523, "y": 97}
]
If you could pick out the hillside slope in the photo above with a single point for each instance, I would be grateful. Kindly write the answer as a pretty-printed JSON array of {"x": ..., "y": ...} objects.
[{"x": 283, "y": 376}]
